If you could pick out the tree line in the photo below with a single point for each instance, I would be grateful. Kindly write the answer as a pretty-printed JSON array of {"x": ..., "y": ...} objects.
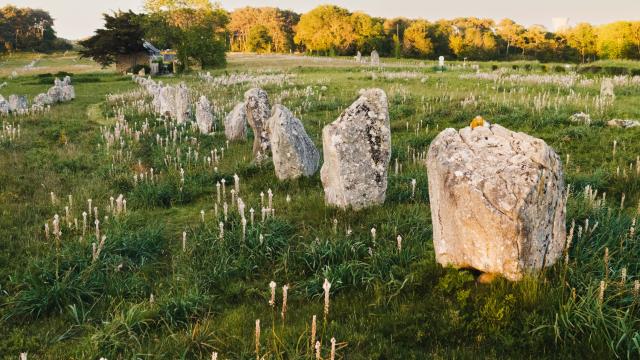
[
  {"x": 332, "y": 30},
  {"x": 26, "y": 29}
]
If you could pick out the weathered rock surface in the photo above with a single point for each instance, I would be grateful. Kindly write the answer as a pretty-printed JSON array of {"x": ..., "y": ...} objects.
[
  {"x": 623, "y": 123},
  {"x": 294, "y": 154},
  {"x": 357, "y": 150},
  {"x": 375, "y": 58},
  {"x": 17, "y": 104},
  {"x": 258, "y": 112},
  {"x": 204, "y": 117},
  {"x": 181, "y": 103},
  {"x": 235, "y": 123},
  {"x": 580, "y": 118},
  {"x": 4, "y": 106},
  {"x": 167, "y": 100},
  {"x": 497, "y": 201}
]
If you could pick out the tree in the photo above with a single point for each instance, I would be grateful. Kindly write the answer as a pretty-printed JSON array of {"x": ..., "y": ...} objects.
[
  {"x": 28, "y": 29},
  {"x": 326, "y": 28},
  {"x": 583, "y": 38},
  {"x": 510, "y": 32},
  {"x": 368, "y": 32},
  {"x": 416, "y": 40},
  {"x": 279, "y": 24},
  {"x": 122, "y": 35},
  {"x": 259, "y": 39},
  {"x": 195, "y": 28}
]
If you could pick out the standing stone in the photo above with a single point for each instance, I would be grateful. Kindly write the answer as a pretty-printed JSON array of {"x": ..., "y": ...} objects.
[
  {"x": 204, "y": 117},
  {"x": 258, "y": 112},
  {"x": 623, "y": 123},
  {"x": 17, "y": 104},
  {"x": 42, "y": 100},
  {"x": 167, "y": 100},
  {"x": 235, "y": 123},
  {"x": 4, "y": 106},
  {"x": 358, "y": 57},
  {"x": 55, "y": 93},
  {"x": 357, "y": 150},
  {"x": 181, "y": 103},
  {"x": 441, "y": 62},
  {"x": 294, "y": 153},
  {"x": 375, "y": 58},
  {"x": 497, "y": 201},
  {"x": 155, "y": 68}
]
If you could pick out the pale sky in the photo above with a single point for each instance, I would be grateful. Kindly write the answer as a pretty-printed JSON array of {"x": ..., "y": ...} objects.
[{"x": 76, "y": 19}]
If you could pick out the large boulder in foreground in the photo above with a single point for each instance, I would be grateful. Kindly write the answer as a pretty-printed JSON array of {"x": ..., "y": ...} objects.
[
  {"x": 235, "y": 123},
  {"x": 294, "y": 154},
  {"x": 497, "y": 201},
  {"x": 258, "y": 112},
  {"x": 357, "y": 150}
]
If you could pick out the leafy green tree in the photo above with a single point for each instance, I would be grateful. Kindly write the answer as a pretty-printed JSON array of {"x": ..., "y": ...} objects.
[
  {"x": 583, "y": 38},
  {"x": 416, "y": 40},
  {"x": 326, "y": 28},
  {"x": 122, "y": 35},
  {"x": 511, "y": 33},
  {"x": 196, "y": 29},
  {"x": 259, "y": 39},
  {"x": 28, "y": 29}
]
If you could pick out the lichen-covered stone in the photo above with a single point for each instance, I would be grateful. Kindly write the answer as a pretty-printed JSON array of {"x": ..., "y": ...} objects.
[
  {"x": 497, "y": 201},
  {"x": 235, "y": 123},
  {"x": 258, "y": 112},
  {"x": 375, "y": 58},
  {"x": 294, "y": 154},
  {"x": 204, "y": 117},
  {"x": 357, "y": 151},
  {"x": 181, "y": 103},
  {"x": 17, "y": 103}
]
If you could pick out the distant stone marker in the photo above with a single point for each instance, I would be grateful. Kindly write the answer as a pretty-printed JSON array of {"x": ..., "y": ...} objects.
[
  {"x": 357, "y": 151},
  {"x": 258, "y": 112},
  {"x": 441, "y": 62},
  {"x": 181, "y": 102},
  {"x": 375, "y": 58},
  {"x": 294, "y": 154},
  {"x": 358, "y": 57},
  {"x": 497, "y": 201}
]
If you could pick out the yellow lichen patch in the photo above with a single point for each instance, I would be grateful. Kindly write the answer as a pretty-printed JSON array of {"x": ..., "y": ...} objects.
[{"x": 477, "y": 121}]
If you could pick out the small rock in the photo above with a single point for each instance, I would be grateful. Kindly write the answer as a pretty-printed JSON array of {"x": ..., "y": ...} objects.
[
  {"x": 625, "y": 124},
  {"x": 581, "y": 118}
]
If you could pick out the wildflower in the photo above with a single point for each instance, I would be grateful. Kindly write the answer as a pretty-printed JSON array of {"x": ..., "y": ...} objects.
[
  {"x": 603, "y": 286},
  {"x": 285, "y": 289},
  {"x": 218, "y": 192},
  {"x": 313, "y": 330},
  {"x": 605, "y": 261},
  {"x": 184, "y": 241},
  {"x": 623, "y": 276},
  {"x": 318, "y": 354},
  {"x": 202, "y": 216},
  {"x": 636, "y": 288},
  {"x": 413, "y": 188},
  {"x": 272, "y": 300},
  {"x": 236, "y": 182},
  {"x": 221, "y": 226},
  {"x": 258, "y": 339},
  {"x": 333, "y": 349},
  {"x": 373, "y": 235},
  {"x": 270, "y": 198},
  {"x": 214, "y": 356},
  {"x": 251, "y": 212},
  {"x": 97, "y": 222},
  {"x": 335, "y": 226},
  {"x": 224, "y": 188},
  {"x": 326, "y": 286},
  {"x": 399, "y": 242}
]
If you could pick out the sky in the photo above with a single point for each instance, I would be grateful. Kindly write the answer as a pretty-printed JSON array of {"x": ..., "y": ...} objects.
[{"x": 76, "y": 19}]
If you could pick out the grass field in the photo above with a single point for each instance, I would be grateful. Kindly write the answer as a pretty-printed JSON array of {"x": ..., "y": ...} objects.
[{"x": 167, "y": 284}]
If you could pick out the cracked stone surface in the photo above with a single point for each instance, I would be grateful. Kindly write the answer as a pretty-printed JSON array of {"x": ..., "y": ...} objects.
[
  {"x": 294, "y": 154},
  {"x": 235, "y": 123},
  {"x": 181, "y": 103},
  {"x": 497, "y": 201},
  {"x": 258, "y": 112},
  {"x": 204, "y": 116},
  {"x": 357, "y": 151}
]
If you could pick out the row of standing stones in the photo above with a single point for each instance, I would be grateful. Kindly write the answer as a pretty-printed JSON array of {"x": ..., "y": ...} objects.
[
  {"x": 497, "y": 197},
  {"x": 61, "y": 91}
]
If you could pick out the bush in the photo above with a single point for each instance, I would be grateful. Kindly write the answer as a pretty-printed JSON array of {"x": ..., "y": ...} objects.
[
  {"x": 559, "y": 69},
  {"x": 494, "y": 67}
]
